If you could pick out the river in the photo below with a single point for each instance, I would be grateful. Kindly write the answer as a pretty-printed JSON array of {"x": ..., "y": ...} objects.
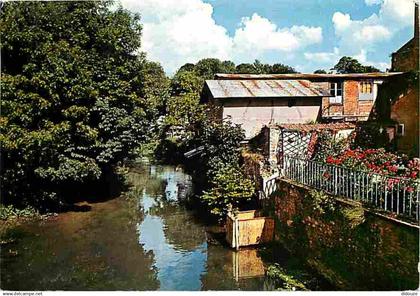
[{"x": 147, "y": 239}]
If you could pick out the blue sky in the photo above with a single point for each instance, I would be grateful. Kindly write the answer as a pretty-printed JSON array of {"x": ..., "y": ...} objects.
[{"x": 305, "y": 34}]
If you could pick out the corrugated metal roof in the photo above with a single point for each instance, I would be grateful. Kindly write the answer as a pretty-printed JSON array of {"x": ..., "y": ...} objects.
[
  {"x": 307, "y": 76},
  {"x": 264, "y": 88}
]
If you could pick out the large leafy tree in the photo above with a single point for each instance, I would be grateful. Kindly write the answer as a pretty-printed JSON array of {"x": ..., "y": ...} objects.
[
  {"x": 351, "y": 65},
  {"x": 72, "y": 105},
  {"x": 260, "y": 68},
  {"x": 207, "y": 68}
]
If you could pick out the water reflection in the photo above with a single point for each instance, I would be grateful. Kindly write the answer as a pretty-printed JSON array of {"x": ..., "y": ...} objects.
[
  {"x": 147, "y": 240},
  {"x": 179, "y": 246}
]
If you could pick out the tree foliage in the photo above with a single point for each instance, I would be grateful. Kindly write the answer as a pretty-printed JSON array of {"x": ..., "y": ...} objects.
[
  {"x": 259, "y": 68},
  {"x": 351, "y": 65},
  {"x": 74, "y": 99},
  {"x": 225, "y": 185},
  {"x": 229, "y": 188}
]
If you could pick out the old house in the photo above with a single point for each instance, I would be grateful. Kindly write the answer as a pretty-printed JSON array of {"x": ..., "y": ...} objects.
[
  {"x": 258, "y": 100},
  {"x": 405, "y": 104},
  {"x": 397, "y": 107},
  {"x": 254, "y": 103}
]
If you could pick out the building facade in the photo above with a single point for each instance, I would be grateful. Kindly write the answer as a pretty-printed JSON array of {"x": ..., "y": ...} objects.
[
  {"x": 347, "y": 97},
  {"x": 405, "y": 103},
  {"x": 254, "y": 103}
]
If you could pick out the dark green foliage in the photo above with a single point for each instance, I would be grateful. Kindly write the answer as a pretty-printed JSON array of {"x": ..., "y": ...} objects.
[
  {"x": 371, "y": 135},
  {"x": 282, "y": 69},
  {"x": 229, "y": 188},
  {"x": 186, "y": 82},
  {"x": 320, "y": 71},
  {"x": 350, "y": 65},
  {"x": 224, "y": 181},
  {"x": 206, "y": 68},
  {"x": 327, "y": 145},
  {"x": 259, "y": 68},
  {"x": 74, "y": 99}
]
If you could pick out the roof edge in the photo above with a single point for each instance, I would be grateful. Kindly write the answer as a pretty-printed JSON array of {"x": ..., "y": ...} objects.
[{"x": 304, "y": 75}]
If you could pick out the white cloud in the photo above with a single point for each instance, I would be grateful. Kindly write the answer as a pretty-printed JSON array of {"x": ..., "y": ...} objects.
[
  {"x": 366, "y": 34},
  {"x": 326, "y": 60},
  {"x": 180, "y": 31},
  {"x": 176, "y": 32},
  {"x": 257, "y": 34},
  {"x": 362, "y": 38},
  {"x": 341, "y": 21}
]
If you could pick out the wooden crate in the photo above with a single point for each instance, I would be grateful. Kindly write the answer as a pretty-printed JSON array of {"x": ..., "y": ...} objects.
[{"x": 247, "y": 228}]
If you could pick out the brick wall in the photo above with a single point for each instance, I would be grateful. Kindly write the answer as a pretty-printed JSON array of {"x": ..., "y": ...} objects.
[
  {"x": 405, "y": 111},
  {"x": 351, "y": 97},
  {"x": 352, "y": 248},
  {"x": 351, "y": 105}
]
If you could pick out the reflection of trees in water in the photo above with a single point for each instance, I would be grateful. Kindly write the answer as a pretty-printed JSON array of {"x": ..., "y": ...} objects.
[
  {"x": 180, "y": 228},
  {"x": 95, "y": 250},
  {"x": 139, "y": 180},
  {"x": 159, "y": 190}
]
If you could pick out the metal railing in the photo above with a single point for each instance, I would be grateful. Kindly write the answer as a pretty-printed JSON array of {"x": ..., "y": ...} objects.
[
  {"x": 269, "y": 185},
  {"x": 393, "y": 194}
]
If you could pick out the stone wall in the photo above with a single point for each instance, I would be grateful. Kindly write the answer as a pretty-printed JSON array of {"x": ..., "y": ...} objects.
[{"x": 352, "y": 248}]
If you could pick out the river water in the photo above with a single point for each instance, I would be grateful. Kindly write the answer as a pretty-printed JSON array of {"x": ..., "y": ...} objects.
[{"x": 147, "y": 239}]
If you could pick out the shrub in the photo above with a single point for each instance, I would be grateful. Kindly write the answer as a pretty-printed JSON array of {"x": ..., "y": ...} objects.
[{"x": 229, "y": 188}]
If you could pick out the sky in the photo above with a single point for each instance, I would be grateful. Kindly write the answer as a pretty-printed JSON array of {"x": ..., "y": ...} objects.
[{"x": 305, "y": 34}]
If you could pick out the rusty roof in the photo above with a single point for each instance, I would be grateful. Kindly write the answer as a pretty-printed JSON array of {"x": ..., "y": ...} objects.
[
  {"x": 264, "y": 88},
  {"x": 377, "y": 75},
  {"x": 309, "y": 127}
]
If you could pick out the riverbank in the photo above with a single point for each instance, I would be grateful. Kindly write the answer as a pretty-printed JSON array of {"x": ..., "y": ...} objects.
[{"x": 146, "y": 239}]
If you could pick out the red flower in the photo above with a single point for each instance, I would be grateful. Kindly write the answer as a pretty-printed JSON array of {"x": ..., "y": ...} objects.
[
  {"x": 326, "y": 175},
  {"x": 330, "y": 159},
  {"x": 393, "y": 168}
]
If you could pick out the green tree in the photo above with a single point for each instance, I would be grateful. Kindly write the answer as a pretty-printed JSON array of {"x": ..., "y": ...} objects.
[
  {"x": 207, "y": 68},
  {"x": 282, "y": 69},
  {"x": 72, "y": 105},
  {"x": 230, "y": 188},
  {"x": 259, "y": 68},
  {"x": 185, "y": 82},
  {"x": 155, "y": 89},
  {"x": 245, "y": 68},
  {"x": 351, "y": 65},
  {"x": 225, "y": 184},
  {"x": 320, "y": 71},
  {"x": 184, "y": 114}
]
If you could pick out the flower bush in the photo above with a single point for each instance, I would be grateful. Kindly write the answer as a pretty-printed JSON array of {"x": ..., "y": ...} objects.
[{"x": 377, "y": 161}]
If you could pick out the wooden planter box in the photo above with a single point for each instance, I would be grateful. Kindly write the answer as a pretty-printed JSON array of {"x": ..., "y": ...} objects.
[{"x": 246, "y": 228}]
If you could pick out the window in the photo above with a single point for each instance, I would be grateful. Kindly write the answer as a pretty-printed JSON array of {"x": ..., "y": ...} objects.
[
  {"x": 366, "y": 91},
  {"x": 336, "y": 91},
  {"x": 400, "y": 129}
]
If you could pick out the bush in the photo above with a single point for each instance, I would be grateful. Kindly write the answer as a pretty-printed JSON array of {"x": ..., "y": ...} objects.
[{"x": 229, "y": 188}]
